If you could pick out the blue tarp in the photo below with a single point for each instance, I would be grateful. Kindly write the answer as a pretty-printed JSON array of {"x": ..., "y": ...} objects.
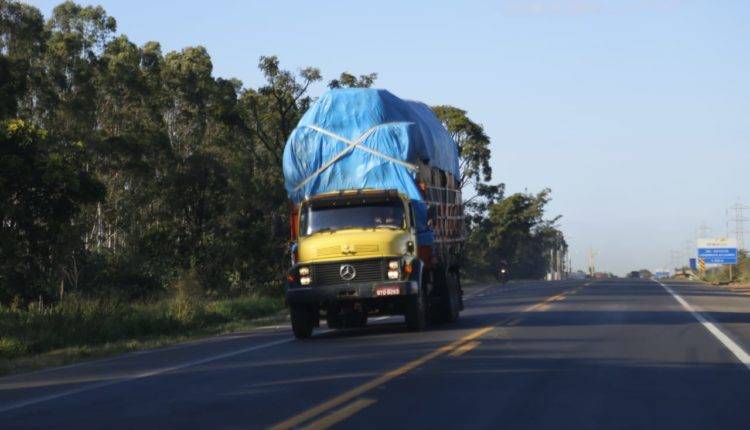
[{"x": 404, "y": 130}]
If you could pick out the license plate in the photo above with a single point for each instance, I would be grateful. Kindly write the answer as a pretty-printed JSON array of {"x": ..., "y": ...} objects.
[{"x": 387, "y": 291}]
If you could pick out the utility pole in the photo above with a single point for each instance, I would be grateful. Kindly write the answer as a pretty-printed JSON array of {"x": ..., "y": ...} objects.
[
  {"x": 592, "y": 265},
  {"x": 570, "y": 264},
  {"x": 737, "y": 217}
]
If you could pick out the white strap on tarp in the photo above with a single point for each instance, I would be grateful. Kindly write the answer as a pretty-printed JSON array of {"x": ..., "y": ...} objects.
[{"x": 351, "y": 144}]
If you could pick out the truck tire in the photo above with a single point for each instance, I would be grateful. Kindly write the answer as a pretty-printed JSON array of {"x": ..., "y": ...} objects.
[
  {"x": 447, "y": 304},
  {"x": 361, "y": 319},
  {"x": 451, "y": 299},
  {"x": 303, "y": 320},
  {"x": 416, "y": 312}
]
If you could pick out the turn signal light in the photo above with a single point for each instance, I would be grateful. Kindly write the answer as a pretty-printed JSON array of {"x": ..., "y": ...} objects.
[{"x": 407, "y": 268}]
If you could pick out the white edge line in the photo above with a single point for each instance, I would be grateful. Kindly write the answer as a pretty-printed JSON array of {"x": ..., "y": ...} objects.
[
  {"x": 142, "y": 375},
  {"x": 712, "y": 328},
  {"x": 125, "y": 355}
]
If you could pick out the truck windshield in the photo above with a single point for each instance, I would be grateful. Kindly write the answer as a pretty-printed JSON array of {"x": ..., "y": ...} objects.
[{"x": 374, "y": 215}]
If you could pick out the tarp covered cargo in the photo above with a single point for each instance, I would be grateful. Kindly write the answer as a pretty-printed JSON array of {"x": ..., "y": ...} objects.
[{"x": 364, "y": 138}]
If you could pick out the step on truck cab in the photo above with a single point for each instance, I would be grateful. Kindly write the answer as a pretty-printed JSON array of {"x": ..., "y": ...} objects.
[{"x": 377, "y": 218}]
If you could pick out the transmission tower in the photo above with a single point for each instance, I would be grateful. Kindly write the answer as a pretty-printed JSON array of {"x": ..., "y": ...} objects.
[{"x": 737, "y": 218}]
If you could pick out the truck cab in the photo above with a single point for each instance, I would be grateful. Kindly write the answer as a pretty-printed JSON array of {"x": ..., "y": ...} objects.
[{"x": 356, "y": 255}]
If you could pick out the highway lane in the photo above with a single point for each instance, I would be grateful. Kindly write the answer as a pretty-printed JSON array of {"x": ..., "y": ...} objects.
[{"x": 605, "y": 354}]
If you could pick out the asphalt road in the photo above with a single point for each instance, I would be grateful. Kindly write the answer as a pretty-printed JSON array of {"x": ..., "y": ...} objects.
[{"x": 571, "y": 354}]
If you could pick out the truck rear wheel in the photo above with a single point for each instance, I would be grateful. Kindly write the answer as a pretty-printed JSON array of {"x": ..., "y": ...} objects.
[
  {"x": 303, "y": 320},
  {"x": 416, "y": 312},
  {"x": 451, "y": 303},
  {"x": 447, "y": 304}
]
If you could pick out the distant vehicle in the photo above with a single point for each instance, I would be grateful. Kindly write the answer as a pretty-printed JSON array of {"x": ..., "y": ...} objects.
[
  {"x": 503, "y": 273},
  {"x": 376, "y": 213},
  {"x": 635, "y": 274},
  {"x": 578, "y": 275}
]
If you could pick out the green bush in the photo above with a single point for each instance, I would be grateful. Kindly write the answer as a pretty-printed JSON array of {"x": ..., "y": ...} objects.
[
  {"x": 740, "y": 271},
  {"x": 84, "y": 322}
]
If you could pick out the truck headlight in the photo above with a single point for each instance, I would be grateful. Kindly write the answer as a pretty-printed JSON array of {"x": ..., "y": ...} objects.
[
  {"x": 304, "y": 280},
  {"x": 393, "y": 265},
  {"x": 393, "y": 274},
  {"x": 304, "y": 271}
]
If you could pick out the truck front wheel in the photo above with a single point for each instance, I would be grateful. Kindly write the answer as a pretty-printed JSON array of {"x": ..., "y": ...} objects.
[
  {"x": 303, "y": 320},
  {"x": 416, "y": 312}
]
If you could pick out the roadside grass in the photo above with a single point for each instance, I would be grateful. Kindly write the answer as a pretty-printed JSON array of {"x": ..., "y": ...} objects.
[
  {"x": 84, "y": 328},
  {"x": 740, "y": 273}
]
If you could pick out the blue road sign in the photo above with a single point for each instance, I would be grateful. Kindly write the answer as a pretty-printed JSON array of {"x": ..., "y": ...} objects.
[
  {"x": 718, "y": 255},
  {"x": 693, "y": 264}
]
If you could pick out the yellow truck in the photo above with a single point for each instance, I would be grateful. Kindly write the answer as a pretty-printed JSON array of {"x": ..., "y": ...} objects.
[{"x": 375, "y": 230}]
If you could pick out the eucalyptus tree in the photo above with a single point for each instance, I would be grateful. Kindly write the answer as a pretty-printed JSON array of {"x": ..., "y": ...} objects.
[
  {"x": 41, "y": 191},
  {"x": 473, "y": 144},
  {"x": 22, "y": 44},
  {"x": 347, "y": 80}
]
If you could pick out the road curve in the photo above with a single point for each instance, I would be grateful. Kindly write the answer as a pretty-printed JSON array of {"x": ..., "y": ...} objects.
[{"x": 567, "y": 354}]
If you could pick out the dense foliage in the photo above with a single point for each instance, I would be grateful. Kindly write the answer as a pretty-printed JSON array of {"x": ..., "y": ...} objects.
[
  {"x": 510, "y": 229},
  {"x": 122, "y": 167},
  {"x": 739, "y": 272}
]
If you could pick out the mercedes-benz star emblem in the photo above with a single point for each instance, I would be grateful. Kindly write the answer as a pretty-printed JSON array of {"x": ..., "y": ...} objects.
[{"x": 347, "y": 272}]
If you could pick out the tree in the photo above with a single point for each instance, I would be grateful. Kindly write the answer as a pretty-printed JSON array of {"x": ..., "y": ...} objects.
[
  {"x": 274, "y": 109},
  {"x": 41, "y": 191},
  {"x": 67, "y": 95},
  {"x": 515, "y": 231},
  {"x": 473, "y": 144},
  {"x": 347, "y": 80},
  {"x": 22, "y": 41}
]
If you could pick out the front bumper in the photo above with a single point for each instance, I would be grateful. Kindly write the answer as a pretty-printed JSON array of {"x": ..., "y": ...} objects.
[{"x": 348, "y": 291}]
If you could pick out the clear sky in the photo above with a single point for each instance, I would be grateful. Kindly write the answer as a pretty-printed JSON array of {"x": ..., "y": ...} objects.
[{"x": 635, "y": 112}]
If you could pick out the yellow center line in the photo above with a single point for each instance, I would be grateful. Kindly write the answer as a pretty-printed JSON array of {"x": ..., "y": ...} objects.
[
  {"x": 544, "y": 304},
  {"x": 512, "y": 322},
  {"x": 340, "y": 415},
  {"x": 463, "y": 349},
  {"x": 391, "y": 374},
  {"x": 380, "y": 380}
]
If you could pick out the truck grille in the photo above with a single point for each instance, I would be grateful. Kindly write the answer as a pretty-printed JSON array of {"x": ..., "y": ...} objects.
[{"x": 366, "y": 271}]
